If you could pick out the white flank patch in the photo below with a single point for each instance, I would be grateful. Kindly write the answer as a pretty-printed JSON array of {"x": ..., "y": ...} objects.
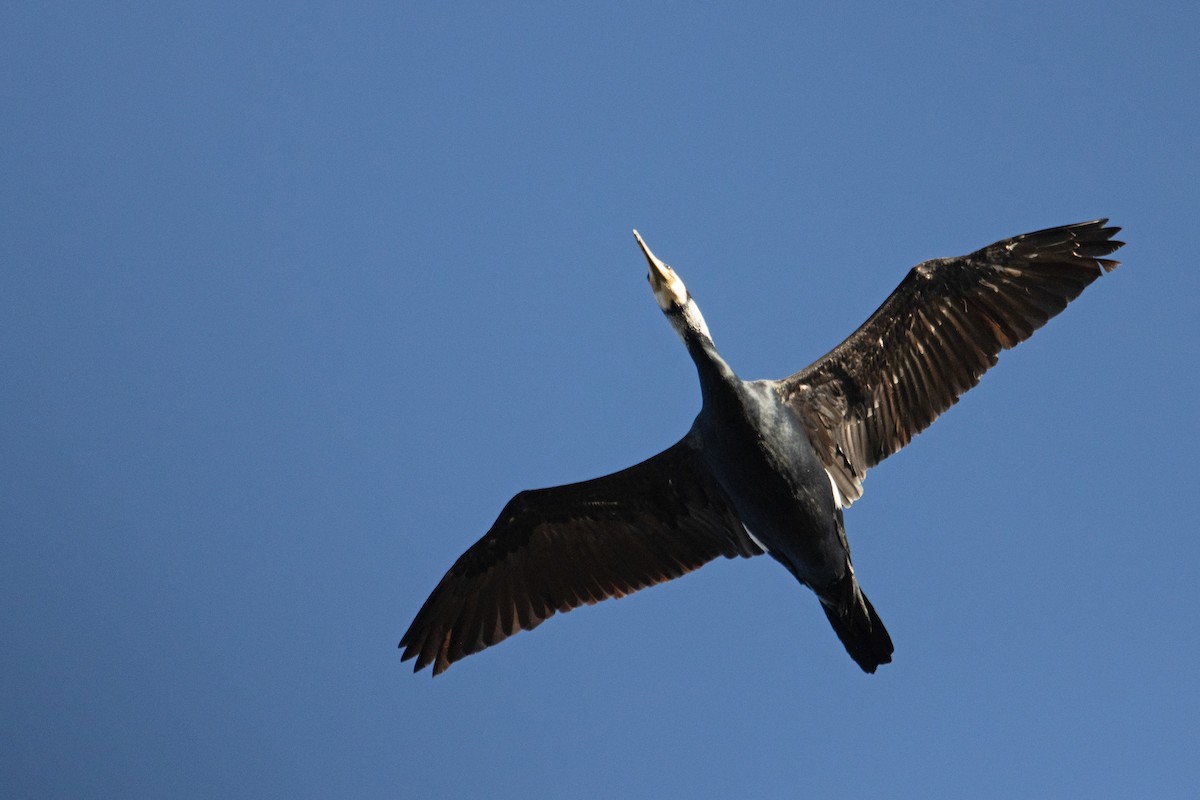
[
  {"x": 837, "y": 495},
  {"x": 754, "y": 539}
]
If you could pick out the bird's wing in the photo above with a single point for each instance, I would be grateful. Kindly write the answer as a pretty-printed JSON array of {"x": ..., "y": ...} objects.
[
  {"x": 933, "y": 339},
  {"x": 554, "y": 549}
]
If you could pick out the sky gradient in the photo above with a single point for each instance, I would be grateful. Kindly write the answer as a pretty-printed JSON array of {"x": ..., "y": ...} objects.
[{"x": 293, "y": 298}]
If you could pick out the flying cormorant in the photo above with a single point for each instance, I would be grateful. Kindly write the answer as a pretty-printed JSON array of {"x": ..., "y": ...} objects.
[{"x": 767, "y": 466}]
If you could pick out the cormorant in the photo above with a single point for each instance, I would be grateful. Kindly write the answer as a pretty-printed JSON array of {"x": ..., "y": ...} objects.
[{"x": 767, "y": 466}]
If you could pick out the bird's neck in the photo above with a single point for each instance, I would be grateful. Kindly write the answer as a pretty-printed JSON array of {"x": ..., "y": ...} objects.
[{"x": 715, "y": 374}]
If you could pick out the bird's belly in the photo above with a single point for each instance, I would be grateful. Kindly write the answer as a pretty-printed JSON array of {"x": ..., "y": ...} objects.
[{"x": 786, "y": 504}]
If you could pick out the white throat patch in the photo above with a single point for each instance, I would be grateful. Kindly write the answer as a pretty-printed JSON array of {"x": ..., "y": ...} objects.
[{"x": 694, "y": 319}]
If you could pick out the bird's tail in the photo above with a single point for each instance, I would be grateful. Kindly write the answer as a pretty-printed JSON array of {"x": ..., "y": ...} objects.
[{"x": 858, "y": 626}]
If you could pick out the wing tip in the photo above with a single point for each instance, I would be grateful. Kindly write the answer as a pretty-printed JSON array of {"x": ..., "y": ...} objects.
[
  {"x": 414, "y": 650},
  {"x": 1083, "y": 243},
  {"x": 1098, "y": 242}
]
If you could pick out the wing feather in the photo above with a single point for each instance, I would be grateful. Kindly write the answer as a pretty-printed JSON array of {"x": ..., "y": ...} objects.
[
  {"x": 933, "y": 339},
  {"x": 552, "y": 550}
]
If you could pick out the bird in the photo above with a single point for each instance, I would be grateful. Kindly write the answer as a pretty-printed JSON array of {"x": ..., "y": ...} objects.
[{"x": 768, "y": 466}]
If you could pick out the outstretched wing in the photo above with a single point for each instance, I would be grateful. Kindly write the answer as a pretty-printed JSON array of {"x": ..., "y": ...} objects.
[
  {"x": 933, "y": 339},
  {"x": 554, "y": 549}
]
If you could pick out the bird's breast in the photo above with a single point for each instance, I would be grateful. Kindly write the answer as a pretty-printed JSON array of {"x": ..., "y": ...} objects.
[{"x": 761, "y": 456}]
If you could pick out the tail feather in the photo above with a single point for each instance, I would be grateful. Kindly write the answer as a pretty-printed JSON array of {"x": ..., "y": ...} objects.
[{"x": 855, "y": 622}]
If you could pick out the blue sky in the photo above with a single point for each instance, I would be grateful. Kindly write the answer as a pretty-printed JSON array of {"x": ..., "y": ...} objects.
[{"x": 294, "y": 297}]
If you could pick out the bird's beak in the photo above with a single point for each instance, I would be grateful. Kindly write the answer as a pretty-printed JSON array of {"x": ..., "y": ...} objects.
[
  {"x": 660, "y": 274},
  {"x": 669, "y": 290}
]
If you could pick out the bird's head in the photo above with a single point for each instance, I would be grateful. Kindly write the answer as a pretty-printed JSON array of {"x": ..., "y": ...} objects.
[
  {"x": 669, "y": 291},
  {"x": 672, "y": 296}
]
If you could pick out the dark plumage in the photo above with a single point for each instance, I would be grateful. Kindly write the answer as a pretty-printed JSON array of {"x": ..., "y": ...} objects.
[{"x": 767, "y": 465}]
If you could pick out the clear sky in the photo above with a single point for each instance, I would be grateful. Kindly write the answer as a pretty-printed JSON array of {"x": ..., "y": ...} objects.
[{"x": 294, "y": 297}]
